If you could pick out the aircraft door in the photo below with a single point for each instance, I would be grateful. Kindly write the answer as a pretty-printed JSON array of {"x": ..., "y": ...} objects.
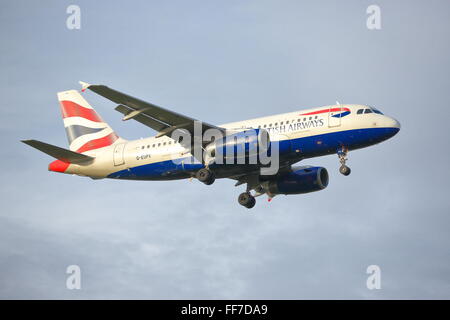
[
  {"x": 334, "y": 116},
  {"x": 118, "y": 154}
]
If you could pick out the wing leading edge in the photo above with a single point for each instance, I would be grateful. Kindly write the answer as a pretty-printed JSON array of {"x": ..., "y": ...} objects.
[{"x": 160, "y": 119}]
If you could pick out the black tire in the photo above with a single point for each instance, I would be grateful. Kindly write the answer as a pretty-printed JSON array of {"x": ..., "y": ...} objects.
[
  {"x": 206, "y": 176},
  {"x": 345, "y": 170},
  {"x": 247, "y": 200},
  {"x": 251, "y": 204},
  {"x": 211, "y": 180}
]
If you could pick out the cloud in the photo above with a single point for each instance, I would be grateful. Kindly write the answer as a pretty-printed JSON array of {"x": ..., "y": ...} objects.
[{"x": 185, "y": 240}]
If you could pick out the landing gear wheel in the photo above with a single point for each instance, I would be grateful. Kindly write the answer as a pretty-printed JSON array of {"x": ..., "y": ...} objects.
[
  {"x": 345, "y": 170},
  {"x": 206, "y": 176},
  {"x": 342, "y": 154},
  {"x": 251, "y": 204},
  {"x": 247, "y": 200}
]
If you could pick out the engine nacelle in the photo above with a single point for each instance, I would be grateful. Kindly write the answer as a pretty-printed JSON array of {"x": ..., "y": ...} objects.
[
  {"x": 239, "y": 147},
  {"x": 298, "y": 181}
]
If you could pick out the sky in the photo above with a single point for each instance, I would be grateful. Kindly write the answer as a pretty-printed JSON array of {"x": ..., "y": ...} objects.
[{"x": 224, "y": 61}]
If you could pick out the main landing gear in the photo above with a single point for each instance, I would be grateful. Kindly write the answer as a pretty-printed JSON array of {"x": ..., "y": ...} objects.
[
  {"x": 247, "y": 200},
  {"x": 342, "y": 154},
  {"x": 206, "y": 176}
]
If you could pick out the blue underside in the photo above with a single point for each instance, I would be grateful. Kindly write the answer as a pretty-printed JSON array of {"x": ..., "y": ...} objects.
[{"x": 293, "y": 150}]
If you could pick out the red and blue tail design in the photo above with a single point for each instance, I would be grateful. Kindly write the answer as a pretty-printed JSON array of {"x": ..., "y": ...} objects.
[{"x": 84, "y": 127}]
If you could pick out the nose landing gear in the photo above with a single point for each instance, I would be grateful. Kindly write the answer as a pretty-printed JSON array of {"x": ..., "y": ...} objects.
[
  {"x": 345, "y": 170},
  {"x": 342, "y": 154}
]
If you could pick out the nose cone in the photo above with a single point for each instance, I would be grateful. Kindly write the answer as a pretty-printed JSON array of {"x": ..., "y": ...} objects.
[
  {"x": 392, "y": 127},
  {"x": 395, "y": 124}
]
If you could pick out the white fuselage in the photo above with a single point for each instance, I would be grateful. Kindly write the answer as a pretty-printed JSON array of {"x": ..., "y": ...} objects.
[{"x": 293, "y": 126}]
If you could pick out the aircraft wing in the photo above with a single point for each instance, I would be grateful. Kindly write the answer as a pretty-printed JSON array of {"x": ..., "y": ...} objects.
[{"x": 160, "y": 119}]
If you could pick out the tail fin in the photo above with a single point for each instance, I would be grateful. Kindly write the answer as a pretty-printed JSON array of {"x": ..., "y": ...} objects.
[{"x": 84, "y": 127}]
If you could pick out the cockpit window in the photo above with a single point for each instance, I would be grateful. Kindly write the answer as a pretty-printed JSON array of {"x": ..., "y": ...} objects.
[
  {"x": 376, "y": 110},
  {"x": 368, "y": 110}
]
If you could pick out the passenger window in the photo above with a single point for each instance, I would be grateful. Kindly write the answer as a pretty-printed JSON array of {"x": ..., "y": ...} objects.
[
  {"x": 287, "y": 122},
  {"x": 310, "y": 118},
  {"x": 281, "y": 123},
  {"x": 276, "y": 123},
  {"x": 316, "y": 117},
  {"x": 367, "y": 111},
  {"x": 304, "y": 119},
  {"x": 153, "y": 145},
  {"x": 360, "y": 111},
  {"x": 159, "y": 144},
  {"x": 270, "y": 124},
  {"x": 142, "y": 147},
  {"x": 265, "y": 125},
  {"x": 298, "y": 120}
]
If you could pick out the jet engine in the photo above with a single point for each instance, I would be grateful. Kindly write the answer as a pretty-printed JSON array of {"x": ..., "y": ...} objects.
[
  {"x": 299, "y": 180},
  {"x": 243, "y": 147}
]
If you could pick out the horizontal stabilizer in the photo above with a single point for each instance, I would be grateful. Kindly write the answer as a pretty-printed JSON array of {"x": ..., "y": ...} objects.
[{"x": 59, "y": 153}]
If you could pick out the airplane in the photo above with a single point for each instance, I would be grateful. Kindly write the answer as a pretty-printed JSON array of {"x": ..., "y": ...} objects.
[{"x": 182, "y": 150}]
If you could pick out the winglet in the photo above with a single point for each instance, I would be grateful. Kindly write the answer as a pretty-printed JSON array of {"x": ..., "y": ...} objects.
[{"x": 84, "y": 85}]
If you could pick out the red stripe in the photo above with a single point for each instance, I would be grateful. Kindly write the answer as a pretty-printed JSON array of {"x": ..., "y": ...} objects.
[
  {"x": 61, "y": 166},
  {"x": 325, "y": 111},
  {"x": 99, "y": 143},
  {"x": 72, "y": 109},
  {"x": 58, "y": 166}
]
